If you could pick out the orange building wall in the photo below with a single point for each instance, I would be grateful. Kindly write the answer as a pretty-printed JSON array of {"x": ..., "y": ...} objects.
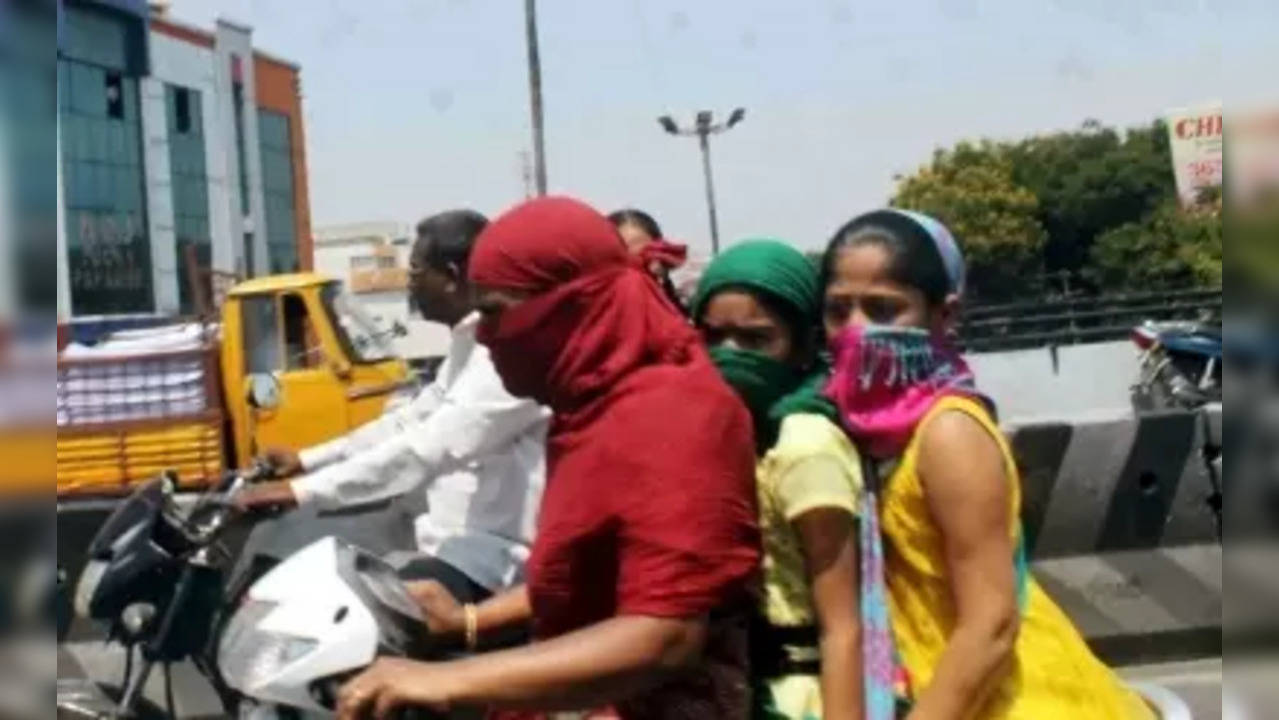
[
  {"x": 181, "y": 32},
  {"x": 278, "y": 89}
]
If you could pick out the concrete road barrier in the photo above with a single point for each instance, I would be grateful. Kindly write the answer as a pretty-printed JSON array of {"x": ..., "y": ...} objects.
[{"x": 1122, "y": 527}]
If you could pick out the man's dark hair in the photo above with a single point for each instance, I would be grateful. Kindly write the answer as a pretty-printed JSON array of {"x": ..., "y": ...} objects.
[{"x": 444, "y": 240}]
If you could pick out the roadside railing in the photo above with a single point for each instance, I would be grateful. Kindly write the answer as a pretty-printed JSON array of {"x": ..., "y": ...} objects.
[{"x": 1073, "y": 321}]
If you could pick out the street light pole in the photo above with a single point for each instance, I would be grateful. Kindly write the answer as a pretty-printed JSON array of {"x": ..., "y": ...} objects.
[
  {"x": 535, "y": 95},
  {"x": 710, "y": 190},
  {"x": 703, "y": 129}
]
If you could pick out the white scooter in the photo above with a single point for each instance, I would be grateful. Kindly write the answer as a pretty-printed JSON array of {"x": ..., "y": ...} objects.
[
  {"x": 284, "y": 646},
  {"x": 312, "y": 622}
]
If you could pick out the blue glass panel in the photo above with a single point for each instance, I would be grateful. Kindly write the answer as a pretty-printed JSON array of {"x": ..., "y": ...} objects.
[
  {"x": 124, "y": 194},
  {"x": 88, "y": 96},
  {"x": 64, "y": 85},
  {"x": 103, "y": 179},
  {"x": 96, "y": 149},
  {"x": 130, "y": 86},
  {"x": 69, "y": 128},
  {"x": 94, "y": 37},
  {"x": 115, "y": 142}
]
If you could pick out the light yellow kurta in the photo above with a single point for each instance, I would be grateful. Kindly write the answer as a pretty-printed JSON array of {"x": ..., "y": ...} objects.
[{"x": 812, "y": 465}]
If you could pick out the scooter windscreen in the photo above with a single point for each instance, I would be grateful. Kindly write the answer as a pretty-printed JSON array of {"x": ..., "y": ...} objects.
[
  {"x": 135, "y": 542},
  {"x": 140, "y": 507}
]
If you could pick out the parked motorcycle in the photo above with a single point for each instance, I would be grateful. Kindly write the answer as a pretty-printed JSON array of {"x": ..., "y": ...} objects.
[
  {"x": 275, "y": 647},
  {"x": 1180, "y": 366}
]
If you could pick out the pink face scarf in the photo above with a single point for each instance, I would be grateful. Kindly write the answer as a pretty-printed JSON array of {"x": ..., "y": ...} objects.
[{"x": 886, "y": 378}]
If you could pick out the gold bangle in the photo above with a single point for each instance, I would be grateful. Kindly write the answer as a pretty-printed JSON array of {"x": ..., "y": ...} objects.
[{"x": 472, "y": 618}]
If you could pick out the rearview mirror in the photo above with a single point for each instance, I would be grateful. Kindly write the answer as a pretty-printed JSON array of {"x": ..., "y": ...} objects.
[
  {"x": 263, "y": 391},
  {"x": 398, "y": 329}
]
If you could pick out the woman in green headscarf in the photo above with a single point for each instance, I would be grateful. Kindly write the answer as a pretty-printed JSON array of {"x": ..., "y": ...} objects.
[{"x": 757, "y": 307}]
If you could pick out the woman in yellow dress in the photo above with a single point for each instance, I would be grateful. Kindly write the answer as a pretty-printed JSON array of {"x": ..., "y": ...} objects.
[{"x": 976, "y": 635}]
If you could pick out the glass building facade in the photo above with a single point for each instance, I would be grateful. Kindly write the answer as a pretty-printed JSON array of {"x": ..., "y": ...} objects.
[
  {"x": 119, "y": 118},
  {"x": 276, "y": 148},
  {"x": 29, "y": 148},
  {"x": 190, "y": 183},
  {"x": 109, "y": 252}
]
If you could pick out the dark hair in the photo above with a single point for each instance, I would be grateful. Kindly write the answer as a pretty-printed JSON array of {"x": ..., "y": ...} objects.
[
  {"x": 915, "y": 262},
  {"x": 631, "y": 216},
  {"x": 645, "y": 222},
  {"x": 445, "y": 240}
]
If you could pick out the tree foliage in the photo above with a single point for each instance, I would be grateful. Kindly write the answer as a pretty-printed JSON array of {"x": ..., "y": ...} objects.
[
  {"x": 1090, "y": 181},
  {"x": 971, "y": 189},
  {"x": 1096, "y": 204},
  {"x": 1171, "y": 248}
]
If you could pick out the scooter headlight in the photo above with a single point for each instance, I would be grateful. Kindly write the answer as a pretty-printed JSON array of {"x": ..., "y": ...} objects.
[{"x": 249, "y": 655}]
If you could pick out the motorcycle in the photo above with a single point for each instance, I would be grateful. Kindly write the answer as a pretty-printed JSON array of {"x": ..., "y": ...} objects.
[
  {"x": 276, "y": 647},
  {"x": 1180, "y": 365},
  {"x": 272, "y": 644}
]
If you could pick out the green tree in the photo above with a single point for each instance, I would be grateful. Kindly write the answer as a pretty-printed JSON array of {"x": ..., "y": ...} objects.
[
  {"x": 1172, "y": 248},
  {"x": 1090, "y": 181},
  {"x": 971, "y": 189}
]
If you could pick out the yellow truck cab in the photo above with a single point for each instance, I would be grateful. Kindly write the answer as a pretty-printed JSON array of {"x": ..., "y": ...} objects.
[
  {"x": 300, "y": 364},
  {"x": 293, "y": 362}
]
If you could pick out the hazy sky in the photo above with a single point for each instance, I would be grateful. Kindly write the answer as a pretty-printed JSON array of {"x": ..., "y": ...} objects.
[{"x": 413, "y": 106}]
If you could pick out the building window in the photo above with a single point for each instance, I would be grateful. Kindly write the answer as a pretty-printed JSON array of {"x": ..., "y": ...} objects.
[
  {"x": 103, "y": 184},
  {"x": 237, "y": 106},
  {"x": 190, "y": 186},
  {"x": 181, "y": 110},
  {"x": 114, "y": 90},
  {"x": 301, "y": 344},
  {"x": 260, "y": 323},
  {"x": 108, "y": 251},
  {"x": 276, "y": 149}
]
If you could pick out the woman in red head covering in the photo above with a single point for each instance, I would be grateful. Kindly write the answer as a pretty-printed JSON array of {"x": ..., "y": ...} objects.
[{"x": 647, "y": 543}]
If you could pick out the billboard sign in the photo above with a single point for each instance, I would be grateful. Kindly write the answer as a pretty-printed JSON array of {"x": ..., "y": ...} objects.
[{"x": 1195, "y": 137}]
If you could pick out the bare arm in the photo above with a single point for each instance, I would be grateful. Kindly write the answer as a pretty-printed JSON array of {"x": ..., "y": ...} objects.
[
  {"x": 967, "y": 490},
  {"x": 829, "y": 540},
  {"x": 603, "y": 663},
  {"x": 445, "y": 615},
  {"x": 504, "y": 610}
]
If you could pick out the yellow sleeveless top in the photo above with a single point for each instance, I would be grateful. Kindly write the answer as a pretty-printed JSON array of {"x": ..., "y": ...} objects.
[{"x": 1053, "y": 673}]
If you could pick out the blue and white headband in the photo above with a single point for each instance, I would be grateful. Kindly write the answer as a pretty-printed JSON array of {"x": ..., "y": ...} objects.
[{"x": 947, "y": 248}]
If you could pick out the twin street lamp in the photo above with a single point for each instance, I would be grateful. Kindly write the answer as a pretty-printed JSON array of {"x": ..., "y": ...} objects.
[{"x": 703, "y": 128}]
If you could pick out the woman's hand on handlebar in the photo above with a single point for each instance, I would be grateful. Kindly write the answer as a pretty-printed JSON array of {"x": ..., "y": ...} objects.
[
  {"x": 444, "y": 614},
  {"x": 391, "y": 683},
  {"x": 285, "y": 462}
]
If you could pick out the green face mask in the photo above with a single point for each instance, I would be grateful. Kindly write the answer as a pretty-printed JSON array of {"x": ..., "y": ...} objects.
[{"x": 760, "y": 381}]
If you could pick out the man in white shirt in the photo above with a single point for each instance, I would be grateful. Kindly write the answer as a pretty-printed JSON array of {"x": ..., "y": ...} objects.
[{"x": 476, "y": 451}]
